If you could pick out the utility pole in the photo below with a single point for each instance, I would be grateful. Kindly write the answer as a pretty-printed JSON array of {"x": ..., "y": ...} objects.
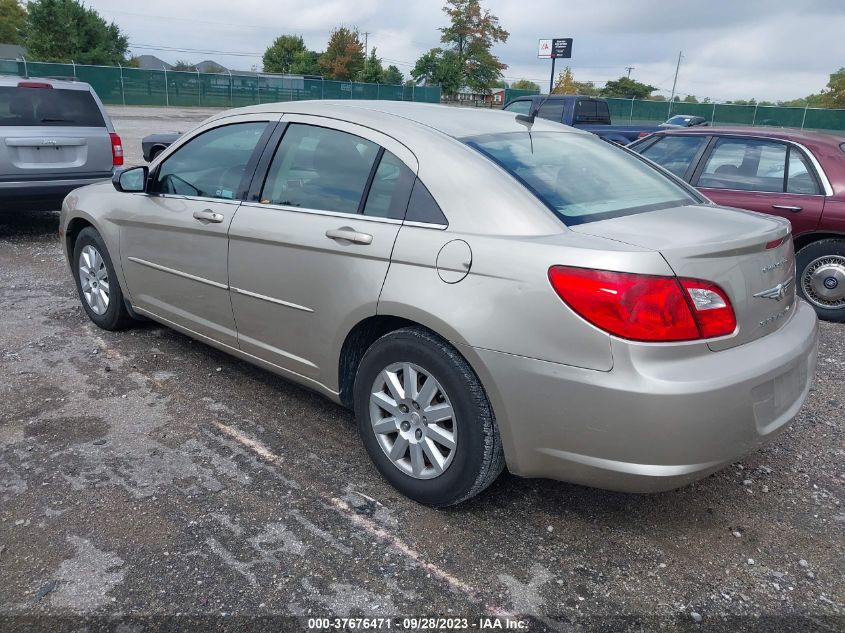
[
  {"x": 675, "y": 83},
  {"x": 629, "y": 69},
  {"x": 366, "y": 48}
]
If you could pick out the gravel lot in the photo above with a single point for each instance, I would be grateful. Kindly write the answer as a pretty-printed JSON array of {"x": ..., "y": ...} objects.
[{"x": 143, "y": 475}]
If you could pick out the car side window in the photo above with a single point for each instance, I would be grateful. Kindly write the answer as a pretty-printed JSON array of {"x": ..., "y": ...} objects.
[
  {"x": 319, "y": 168},
  {"x": 801, "y": 178},
  {"x": 519, "y": 107},
  {"x": 675, "y": 153},
  {"x": 551, "y": 110},
  {"x": 390, "y": 190},
  {"x": 746, "y": 165},
  {"x": 212, "y": 164},
  {"x": 423, "y": 207}
]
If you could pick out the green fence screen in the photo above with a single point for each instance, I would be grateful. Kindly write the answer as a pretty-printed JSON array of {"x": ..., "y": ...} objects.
[
  {"x": 636, "y": 111},
  {"x": 135, "y": 86}
]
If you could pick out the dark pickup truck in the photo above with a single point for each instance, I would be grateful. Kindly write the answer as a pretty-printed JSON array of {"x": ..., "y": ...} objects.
[{"x": 587, "y": 113}]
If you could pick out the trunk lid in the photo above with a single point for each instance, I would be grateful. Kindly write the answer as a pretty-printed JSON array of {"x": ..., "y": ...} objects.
[
  {"x": 725, "y": 246},
  {"x": 36, "y": 151}
]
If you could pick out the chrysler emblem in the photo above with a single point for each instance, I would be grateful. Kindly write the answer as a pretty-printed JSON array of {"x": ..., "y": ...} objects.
[{"x": 778, "y": 293}]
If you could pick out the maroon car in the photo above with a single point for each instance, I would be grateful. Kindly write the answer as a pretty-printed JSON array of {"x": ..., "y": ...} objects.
[{"x": 794, "y": 174}]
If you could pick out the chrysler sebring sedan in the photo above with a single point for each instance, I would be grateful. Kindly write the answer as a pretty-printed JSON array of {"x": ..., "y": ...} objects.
[{"x": 481, "y": 289}]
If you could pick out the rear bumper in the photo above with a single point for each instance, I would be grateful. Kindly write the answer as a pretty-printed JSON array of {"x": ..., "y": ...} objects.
[
  {"x": 654, "y": 422},
  {"x": 46, "y": 193}
]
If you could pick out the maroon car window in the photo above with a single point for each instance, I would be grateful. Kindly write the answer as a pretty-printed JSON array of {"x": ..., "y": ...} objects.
[
  {"x": 675, "y": 153},
  {"x": 800, "y": 178},
  {"x": 745, "y": 165}
]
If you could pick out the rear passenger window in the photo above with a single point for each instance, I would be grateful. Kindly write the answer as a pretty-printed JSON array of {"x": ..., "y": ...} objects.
[
  {"x": 319, "y": 168},
  {"x": 746, "y": 165},
  {"x": 591, "y": 111},
  {"x": 212, "y": 164},
  {"x": 423, "y": 207},
  {"x": 551, "y": 110},
  {"x": 390, "y": 189}
]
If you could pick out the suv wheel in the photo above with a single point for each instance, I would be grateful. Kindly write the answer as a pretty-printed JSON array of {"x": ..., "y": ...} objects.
[
  {"x": 425, "y": 420},
  {"x": 821, "y": 277},
  {"x": 96, "y": 282}
]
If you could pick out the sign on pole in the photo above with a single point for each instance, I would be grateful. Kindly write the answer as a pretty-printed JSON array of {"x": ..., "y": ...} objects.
[{"x": 559, "y": 47}]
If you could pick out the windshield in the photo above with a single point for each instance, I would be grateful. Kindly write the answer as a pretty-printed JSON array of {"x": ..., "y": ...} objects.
[
  {"x": 580, "y": 177},
  {"x": 679, "y": 120}
]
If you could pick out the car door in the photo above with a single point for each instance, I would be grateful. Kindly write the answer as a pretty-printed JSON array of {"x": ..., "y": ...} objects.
[
  {"x": 309, "y": 251},
  {"x": 765, "y": 175},
  {"x": 174, "y": 243}
]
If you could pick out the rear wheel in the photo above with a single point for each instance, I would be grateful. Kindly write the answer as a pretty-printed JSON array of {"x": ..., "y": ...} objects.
[
  {"x": 821, "y": 277},
  {"x": 96, "y": 282},
  {"x": 425, "y": 420}
]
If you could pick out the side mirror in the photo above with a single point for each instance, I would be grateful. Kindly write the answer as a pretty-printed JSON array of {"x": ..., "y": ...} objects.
[{"x": 132, "y": 180}]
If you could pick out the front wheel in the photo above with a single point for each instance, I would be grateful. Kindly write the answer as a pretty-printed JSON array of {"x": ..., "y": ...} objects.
[
  {"x": 96, "y": 282},
  {"x": 821, "y": 277},
  {"x": 425, "y": 420}
]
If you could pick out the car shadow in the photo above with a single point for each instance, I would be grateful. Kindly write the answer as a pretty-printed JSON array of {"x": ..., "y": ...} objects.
[{"x": 38, "y": 224}]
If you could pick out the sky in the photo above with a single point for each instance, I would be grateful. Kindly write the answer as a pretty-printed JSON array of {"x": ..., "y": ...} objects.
[{"x": 732, "y": 49}]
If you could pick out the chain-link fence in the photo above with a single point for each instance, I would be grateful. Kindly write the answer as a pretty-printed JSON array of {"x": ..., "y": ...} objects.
[
  {"x": 636, "y": 111},
  {"x": 136, "y": 86}
]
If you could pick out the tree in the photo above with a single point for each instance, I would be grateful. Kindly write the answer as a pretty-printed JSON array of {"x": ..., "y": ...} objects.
[
  {"x": 627, "y": 88},
  {"x": 690, "y": 99},
  {"x": 525, "y": 84},
  {"x": 306, "y": 63},
  {"x": 441, "y": 68},
  {"x": 12, "y": 20},
  {"x": 565, "y": 84},
  {"x": 185, "y": 66},
  {"x": 393, "y": 76},
  {"x": 471, "y": 34},
  {"x": 344, "y": 56},
  {"x": 834, "y": 95},
  {"x": 281, "y": 54},
  {"x": 66, "y": 30},
  {"x": 373, "y": 72}
]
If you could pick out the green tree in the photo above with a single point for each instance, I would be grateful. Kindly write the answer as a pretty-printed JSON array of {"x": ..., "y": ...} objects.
[
  {"x": 12, "y": 19},
  {"x": 565, "y": 84},
  {"x": 281, "y": 54},
  {"x": 393, "y": 76},
  {"x": 306, "y": 63},
  {"x": 373, "y": 72},
  {"x": 184, "y": 66},
  {"x": 441, "y": 68},
  {"x": 834, "y": 95},
  {"x": 344, "y": 56},
  {"x": 690, "y": 99},
  {"x": 525, "y": 84},
  {"x": 627, "y": 88},
  {"x": 471, "y": 34},
  {"x": 67, "y": 30}
]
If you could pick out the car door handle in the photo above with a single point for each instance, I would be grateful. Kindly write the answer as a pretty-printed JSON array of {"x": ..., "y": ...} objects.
[
  {"x": 786, "y": 207},
  {"x": 207, "y": 215},
  {"x": 350, "y": 235}
]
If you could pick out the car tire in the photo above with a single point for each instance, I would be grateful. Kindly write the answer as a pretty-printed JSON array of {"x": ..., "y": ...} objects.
[
  {"x": 414, "y": 356},
  {"x": 96, "y": 282},
  {"x": 821, "y": 278}
]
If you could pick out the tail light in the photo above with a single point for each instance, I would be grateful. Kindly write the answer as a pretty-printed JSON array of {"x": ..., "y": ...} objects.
[
  {"x": 643, "y": 134},
  {"x": 116, "y": 150},
  {"x": 34, "y": 84},
  {"x": 645, "y": 307}
]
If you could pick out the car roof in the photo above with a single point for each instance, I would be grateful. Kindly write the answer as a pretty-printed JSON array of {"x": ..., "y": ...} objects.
[
  {"x": 63, "y": 84},
  {"x": 387, "y": 116},
  {"x": 785, "y": 134}
]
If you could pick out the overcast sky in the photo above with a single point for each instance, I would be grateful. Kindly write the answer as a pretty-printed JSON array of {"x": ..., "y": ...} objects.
[{"x": 768, "y": 49}]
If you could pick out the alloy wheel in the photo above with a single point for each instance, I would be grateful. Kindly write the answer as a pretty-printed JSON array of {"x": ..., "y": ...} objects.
[
  {"x": 413, "y": 420},
  {"x": 94, "y": 279}
]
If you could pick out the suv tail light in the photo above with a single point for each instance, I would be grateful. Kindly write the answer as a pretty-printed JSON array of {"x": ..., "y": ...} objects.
[
  {"x": 645, "y": 307},
  {"x": 116, "y": 150}
]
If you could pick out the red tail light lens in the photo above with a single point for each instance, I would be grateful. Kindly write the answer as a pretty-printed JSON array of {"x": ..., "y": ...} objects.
[
  {"x": 116, "y": 150},
  {"x": 645, "y": 307},
  {"x": 33, "y": 84}
]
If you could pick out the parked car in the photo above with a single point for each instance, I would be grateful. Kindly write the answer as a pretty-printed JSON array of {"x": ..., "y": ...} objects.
[
  {"x": 154, "y": 144},
  {"x": 684, "y": 120},
  {"x": 586, "y": 113},
  {"x": 55, "y": 136},
  {"x": 797, "y": 175},
  {"x": 477, "y": 295}
]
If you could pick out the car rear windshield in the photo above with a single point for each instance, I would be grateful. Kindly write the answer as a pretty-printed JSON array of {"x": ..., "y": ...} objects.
[
  {"x": 51, "y": 107},
  {"x": 580, "y": 177}
]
